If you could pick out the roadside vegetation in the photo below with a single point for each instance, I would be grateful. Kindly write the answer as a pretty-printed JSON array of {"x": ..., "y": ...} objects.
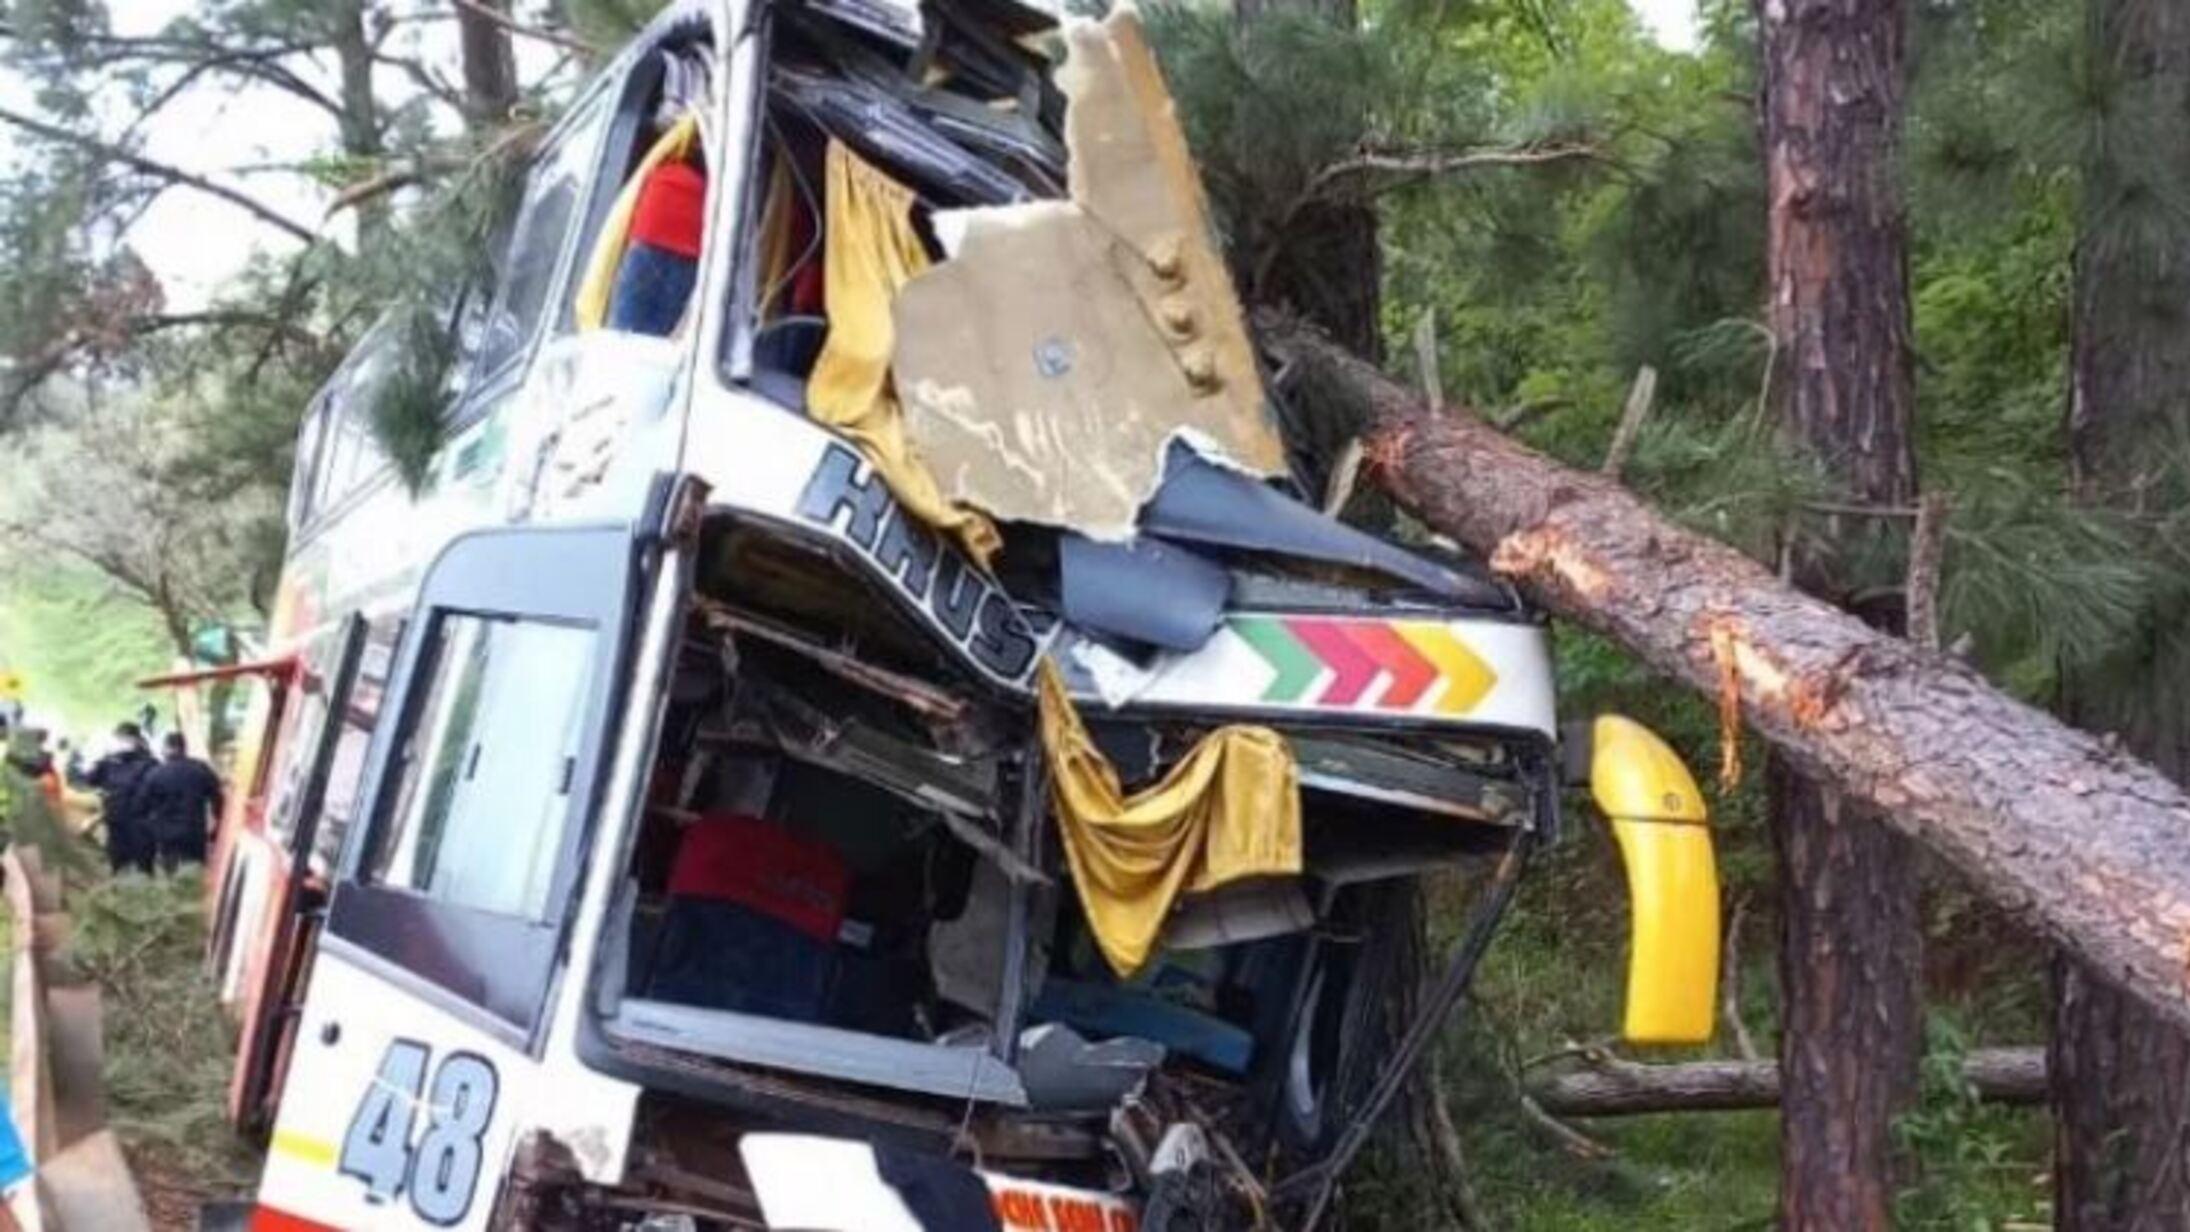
[
  {"x": 1611, "y": 218},
  {"x": 1550, "y": 993},
  {"x": 168, "y": 1046}
]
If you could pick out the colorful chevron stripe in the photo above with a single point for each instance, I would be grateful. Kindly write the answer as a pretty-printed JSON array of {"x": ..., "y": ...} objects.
[{"x": 1320, "y": 661}]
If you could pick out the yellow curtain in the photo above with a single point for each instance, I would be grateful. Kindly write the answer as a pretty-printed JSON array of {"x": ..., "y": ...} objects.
[
  {"x": 594, "y": 290},
  {"x": 871, "y": 250},
  {"x": 1230, "y": 809}
]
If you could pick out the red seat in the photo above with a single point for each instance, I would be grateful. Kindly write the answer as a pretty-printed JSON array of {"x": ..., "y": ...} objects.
[{"x": 759, "y": 865}]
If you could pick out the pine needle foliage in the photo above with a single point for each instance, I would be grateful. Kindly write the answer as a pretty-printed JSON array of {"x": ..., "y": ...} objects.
[
  {"x": 2029, "y": 572},
  {"x": 430, "y": 274},
  {"x": 1292, "y": 110}
]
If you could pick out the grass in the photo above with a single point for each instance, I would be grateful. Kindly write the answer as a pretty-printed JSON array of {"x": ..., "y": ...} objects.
[
  {"x": 1717, "y": 1170},
  {"x": 169, "y": 1047},
  {"x": 1556, "y": 976}
]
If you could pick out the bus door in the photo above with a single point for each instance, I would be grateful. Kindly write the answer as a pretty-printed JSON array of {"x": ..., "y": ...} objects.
[
  {"x": 419, "y": 1055},
  {"x": 327, "y": 692}
]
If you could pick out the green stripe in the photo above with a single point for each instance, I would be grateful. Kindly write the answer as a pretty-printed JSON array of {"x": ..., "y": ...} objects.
[{"x": 1296, "y": 668}]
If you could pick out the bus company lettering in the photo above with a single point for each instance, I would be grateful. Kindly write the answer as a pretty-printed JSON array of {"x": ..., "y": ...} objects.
[
  {"x": 1026, "y": 1210},
  {"x": 936, "y": 576}
]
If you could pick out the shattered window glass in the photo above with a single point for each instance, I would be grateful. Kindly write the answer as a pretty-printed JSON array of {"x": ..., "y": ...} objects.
[{"x": 553, "y": 199}]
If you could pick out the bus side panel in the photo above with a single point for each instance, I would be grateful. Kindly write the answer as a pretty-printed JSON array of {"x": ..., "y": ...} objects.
[
  {"x": 256, "y": 863},
  {"x": 258, "y": 716},
  {"x": 400, "y": 1114},
  {"x": 269, "y": 964}
]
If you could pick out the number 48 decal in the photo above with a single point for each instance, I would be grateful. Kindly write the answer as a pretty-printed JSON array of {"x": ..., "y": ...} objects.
[{"x": 441, "y": 1169}]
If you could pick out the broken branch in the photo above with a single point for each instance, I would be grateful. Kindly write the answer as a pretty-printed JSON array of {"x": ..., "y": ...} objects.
[
  {"x": 1419, "y": 163},
  {"x": 1926, "y": 546},
  {"x": 1627, "y": 1088},
  {"x": 1401, "y": 166},
  {"x": 1426, "y": 369},
  {"x": 1639, "y": 397},
  {"x": 1730, "y": 982}
]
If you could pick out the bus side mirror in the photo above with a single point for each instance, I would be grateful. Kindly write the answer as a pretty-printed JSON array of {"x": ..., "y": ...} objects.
[{"x": 1658, "y": 819}]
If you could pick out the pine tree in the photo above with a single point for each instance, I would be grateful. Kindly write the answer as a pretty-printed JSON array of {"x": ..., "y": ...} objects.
[
  {"x": 2121, "y": 1075},
  {"x": 1851, "y": 1004},
  {"x": 420, "y": 165}
]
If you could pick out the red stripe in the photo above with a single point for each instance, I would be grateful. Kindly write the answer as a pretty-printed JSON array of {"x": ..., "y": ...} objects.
[
  {"x": 1412, "y": 675},
  {"x": 268, "y": 1219},
  {"x": 1355, "y": 670}
]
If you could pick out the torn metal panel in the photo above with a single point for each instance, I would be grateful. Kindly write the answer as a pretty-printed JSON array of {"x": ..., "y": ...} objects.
[
  {"x": 884, "y": 129},
  {"x": 896, "y": 20},
  {"x": 1005, "y": 134},
  {"x": 966, "y": 955},
  {"x": 1144, "y": 590},
  {"x": 1205, "y": 503},
  {"x": 921, "y": 696},
  {"x": 1238, "y": 914},
  {"x": 1130, "y": 169},
  {"x": 1054, "y": 398},
  {"x": 1047, "y": 399}
]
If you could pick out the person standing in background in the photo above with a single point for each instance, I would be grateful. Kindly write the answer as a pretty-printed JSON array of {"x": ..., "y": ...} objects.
[
  {"x": 117, "y": 777},
  {"x": 178, "y": 805}
]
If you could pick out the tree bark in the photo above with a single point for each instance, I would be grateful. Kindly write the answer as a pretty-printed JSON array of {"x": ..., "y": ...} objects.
[
  {"x": 1851, "y": 1013},
  {"x": 2121, "y": 1071},
  {"x": 490, "y": 64},
  {"x": 359, "y": 121},
  {"x": 2059, "y": 827},
  {"x": 1851, "y": 1009},
  {"x": 1625, "y": 1088}
]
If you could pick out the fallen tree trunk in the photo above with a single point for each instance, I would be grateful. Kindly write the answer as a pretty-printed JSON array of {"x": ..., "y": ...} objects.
[
  {"x": 2087, "y": 844},
  {"x": 1626, "y": 1088}
]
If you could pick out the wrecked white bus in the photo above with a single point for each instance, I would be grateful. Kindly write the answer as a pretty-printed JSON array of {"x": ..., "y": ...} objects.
[{"x": 855, "y": 729}]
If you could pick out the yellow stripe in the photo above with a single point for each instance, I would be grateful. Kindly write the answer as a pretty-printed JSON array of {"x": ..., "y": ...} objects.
[
  {"x": 1467, "y": 678},
  {"x": 304, "y": 1147}
]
